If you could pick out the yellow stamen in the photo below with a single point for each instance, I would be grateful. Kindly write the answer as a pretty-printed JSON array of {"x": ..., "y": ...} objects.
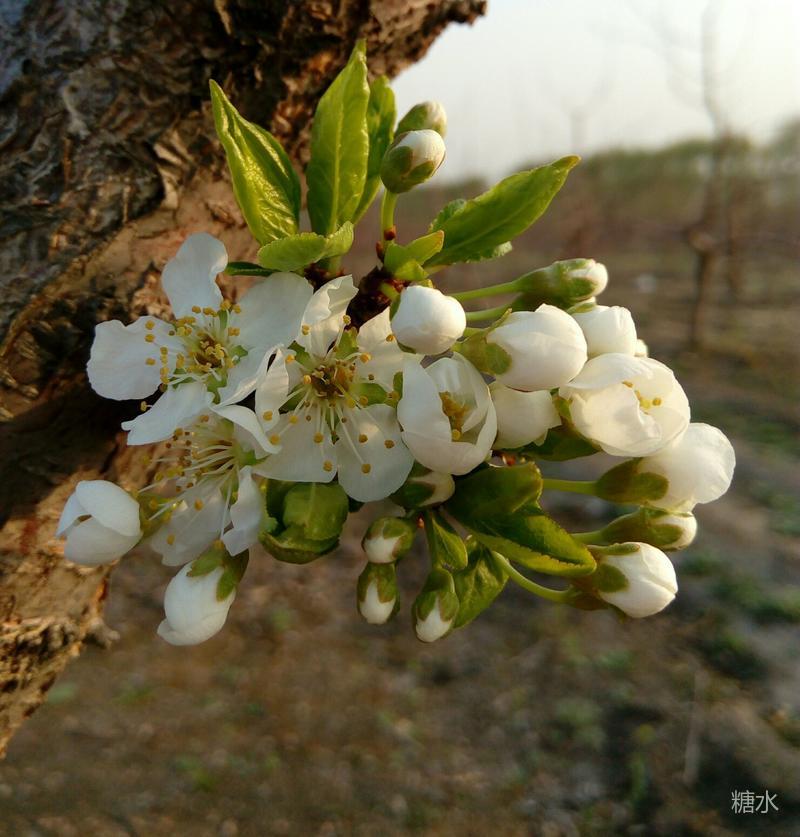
[
  {"x": 151, "y": 361},
  {"x": 318, "y": 437},
  {"x": 362, "y": 438},
  {"x": 366, "y": 468},
  {"x": 327, "y": 465},
  {"x": 149, "y": 338},
  {"x": 198, "y": 504},
  {"x": 170, "y": 539},
  {"x": 274, "y": 439},
  {"x": 149, "y": 325},
  {"x": 267, "y": 415},
  {"x": 389, "y": 444}
]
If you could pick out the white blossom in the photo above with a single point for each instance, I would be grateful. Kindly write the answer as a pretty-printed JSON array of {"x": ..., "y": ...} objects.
[
  {"x": 595, "y": 272},
  {"x": 698, "y": 466},
  {"x": 100, "y": 522},
  {"x": 321, "y": 403},
  {"x": 608, "y": 329},
  {"x": 628, "y": 406},
  {"x": 434, "y": 625},
  {"x": 650, "y": 579},
  {"x": 685, "y": 525},
  {"x": 447, "y": 414},
  {"x": 375, "y": 611},
  {"x": 412, "y": 158},
  {"x": 522, "y": 417},
  {"x": 427, "y": 321},
  {"x": 211, "y": 350},
  {"x": 546, "y": 348},
  {"x": 193, "y": 611}
]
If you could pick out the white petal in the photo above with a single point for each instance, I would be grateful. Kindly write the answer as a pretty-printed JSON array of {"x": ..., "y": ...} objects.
[
  {"x": 118, "y": 365},
  {"x": 432, "y": 627},
  {"x": 246, "y": 515},
  {"x": 90, "y": 543},
  {"x": 177, "y": 407},
  {"x": 420, "y": 408},
  {"x": 522, "y": 417},
  {"x": 300, "y": 458},
  {"x": 110, "y": 505},
  {"x": 272, "y": 311},
  {"x": 271, "y": 391},
  {"x": 387, "y": 467},
  {"x": 189, "y": 278},
  {"x": 324, "y": 315},
  {"x": 71, "y": 512},
  {"x": 194, "y": 614},
  {"x": 248, "y": 428},
  {"x": 194, "y": 529},
  {"x": 386, "y": 357},
  {"x": 374, "y": 611},
  {"x": 244, "y": 376}
]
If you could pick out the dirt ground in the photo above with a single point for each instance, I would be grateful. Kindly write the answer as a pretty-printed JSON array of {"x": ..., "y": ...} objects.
[{"x": 298, "y": 719}]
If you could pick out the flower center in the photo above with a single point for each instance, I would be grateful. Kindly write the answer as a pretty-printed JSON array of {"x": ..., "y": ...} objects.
[
  {"x": 332, "y": 379},
  {"x": 645, "y": 404},
  {"x": 456, "y": 412}
]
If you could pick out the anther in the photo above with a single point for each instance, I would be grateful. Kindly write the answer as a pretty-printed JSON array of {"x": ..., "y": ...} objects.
[
  {"x": 327, "y": 465},
  {"x": 366, "y": 468},
  {"x": 388, "y": 444},
  {"x": 267, "y": 415},
  {"x": 362, "y": 438},
  {"x": 274, "y": 439}
]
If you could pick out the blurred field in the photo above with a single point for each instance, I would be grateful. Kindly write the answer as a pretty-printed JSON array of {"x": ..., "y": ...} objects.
[{"x": 298, "y": 719}]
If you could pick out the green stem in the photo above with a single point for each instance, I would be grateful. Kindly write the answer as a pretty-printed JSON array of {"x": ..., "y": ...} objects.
[
  {"x": 388, "y": 203},
  {"x": 560, "y": 596},
  {"x": 594, "y": 538},
  {"x": 486, "y": 314},
  {"x": 493, "y": 290},
  {"x": 573, "y": 486},
  {"x": 469, "y": 331}
]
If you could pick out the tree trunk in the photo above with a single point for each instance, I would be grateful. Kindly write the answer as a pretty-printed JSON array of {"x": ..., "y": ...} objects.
[{"x": 108, "y": 161}]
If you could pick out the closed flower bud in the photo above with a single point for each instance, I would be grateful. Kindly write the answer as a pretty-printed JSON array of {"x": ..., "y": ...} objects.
[
  {"x": 412, "y": 159},
  {"x": 522, "y": 417},
  {"x": 388, "y": 538},
  {"x": 424, "y": 115},
  {"x": 424, "y": 488},
  {"x": 428, "y": 321},
  {"x": 192, "y": 606},
  {"x": 637, "y": 578},
  {"x": 377, "y": 593},
  {"x": 607, "y": 329},
  {"x": 436, "y": 607},
  {"x": 666, "y": 530},
  {"x": 535, "y": 350},
  {"x": 100, "y": 522},
  {"x": 698, "y": 467},
  {"x": 564, "y": 283}
]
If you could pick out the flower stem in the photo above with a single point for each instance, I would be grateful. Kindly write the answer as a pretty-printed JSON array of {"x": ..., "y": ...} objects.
[
  {"x": 594, "y": 538},
  {"x": 560, "y": 596},
  {"x": 486, "y": 314},
  {"x": 388, "y": 203},
  {"x": 573, "y": 486},
  {"x": 479, "y": 293}
]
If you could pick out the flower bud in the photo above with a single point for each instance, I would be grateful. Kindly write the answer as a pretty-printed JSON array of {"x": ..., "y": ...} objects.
[
  {"x": 666, "y": 530},
  {"x": 388, "y": 538},
  {"x": 100, "y": 522},
  {"x": 642, "y": 349},
  {"x": 637, "y": 578},
  {"x": 436, "y": 607},
  {"x": 428, "y": 321},
  {"x": 377, "y": 593},
  {"x": 193, "y": 608},
  {"x": 607, "y": 329},
  {"x": 424, "y": 115},
  {"x": 412, "y": 159},
  {"x": 522, "y": 417},
  {"x": 564, "y": 284},
  {"x": 530, "y": 350},
  {"x": 424, "y": 488},
  {"x": 698, "y": 467}
]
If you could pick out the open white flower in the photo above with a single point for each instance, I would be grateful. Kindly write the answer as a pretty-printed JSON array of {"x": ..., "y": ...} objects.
[
  {"x": 100, "y": 522},
  {"x": 212, "y": 350},
  {"x": 193, "y": 611},
  {"x": 323, "y": 403},
  {"x": 608, "y": 329},
  {"x": 649, "y": 579},
  {"x": 211, "y": 490},
  {"x": 626, "y": 405},
  {"x": 698, "y": 466},
  {"x": 448, "y": 418},
  {"x": 522, "y": 417},
  {"x": 427, "y": 321},
  {"x": 546, "y": 348}
]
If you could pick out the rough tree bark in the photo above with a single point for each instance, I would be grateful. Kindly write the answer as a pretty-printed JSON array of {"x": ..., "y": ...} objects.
[{"x": 108, "y": 162}]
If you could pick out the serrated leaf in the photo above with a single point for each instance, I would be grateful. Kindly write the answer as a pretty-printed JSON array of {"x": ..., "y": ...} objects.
[
  {"x": 265, "y": 185},
  {"x": 492, "y": 253},
  {"x": 337, "y": 172},
  {"x": 499, "y": 215},
  {"x": 495, "y": 490},
  {"x": 446, "y": 213},
  {"x": 247, "y": 269},
  {"x": 478, "y": 584},
  {"x": 296, "y": 252},
  {"x": 445, "y": 545},
  {"x": 381, "y": 114}
]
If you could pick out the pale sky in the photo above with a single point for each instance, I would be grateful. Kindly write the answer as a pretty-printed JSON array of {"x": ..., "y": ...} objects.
[{"x": 537, "y": 79}]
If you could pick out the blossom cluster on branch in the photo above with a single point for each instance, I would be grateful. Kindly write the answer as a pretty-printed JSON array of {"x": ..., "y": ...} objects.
[{"x": 277, "y": 414}]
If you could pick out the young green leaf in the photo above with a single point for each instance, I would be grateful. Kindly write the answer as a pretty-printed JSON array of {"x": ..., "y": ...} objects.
[
  {"x": 302, "y": 249},
  {"x": 399, "y": 261},
  {"x": 337, "y": 172},
  {"x": 495, "y": 490},
  {"x": 495, "y": 217},
  {"x": 444, "y": 543},
  {"x": 478, "y": 584},
  {"x": 265, "y": 185},
  {"x": 247, "y": 269},
  {"x": 381, "y": 113}
]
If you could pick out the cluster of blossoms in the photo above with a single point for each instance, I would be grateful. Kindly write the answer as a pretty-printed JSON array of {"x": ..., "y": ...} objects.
[{"x": 277, "y": 415}]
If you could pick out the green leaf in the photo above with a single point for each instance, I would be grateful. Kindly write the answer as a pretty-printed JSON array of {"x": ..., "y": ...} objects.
[
  {"x": 292, "y": 548},
  {"x": 297, "y": 251},
  {"x": 425, "y": 247},
  {"x": 497, "y": 216},
  {"x": 400, "y": 263},
  {"x": 337, "y": 172},
  {"x": 445, "y": 545},
  {"x": 478, "y": 584},
  {"x": 318, "y": 510},
  {"x": 381, "y": 113},
  {"x": 491, "y": 253},
  {"x": 265, "y": 185},
  {"x": 247, "y": 269},
  {"x": 625, "y": 484},
  {"x": 560, "y": 444},
  {"x": 495, "y": 490}
]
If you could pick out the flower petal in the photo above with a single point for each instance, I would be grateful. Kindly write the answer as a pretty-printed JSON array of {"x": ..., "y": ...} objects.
[
  {"x": 301, "y": 458},
  {"x": 324, "y": 315},
  {"x": 272, "y": 311},
  {"x": 248, "y": 428},
  {"x": 246, "y": 515},
  {"x": 71, "y": 512},
  {"x": 90, "y": 543},
  {"x": 177, "y": 407},
  {"x": 386, "y": 357},
  {"x": 189, "y": 278},
  {"x": 271, "y": 391},
  {"x": 110, "y": 505},
  {"x": 191, "y": 530}
]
